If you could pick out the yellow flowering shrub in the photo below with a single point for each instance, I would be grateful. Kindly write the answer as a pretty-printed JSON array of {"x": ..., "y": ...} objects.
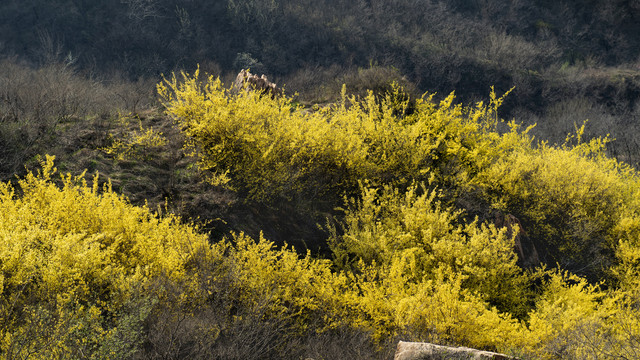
[
  {"x": 73, "y": 261},
  {"x": 575, "y": 320},
  {"x": 384, "y": 300},
  {"x": 387, "y": 226},
  {"x": 269, "y": 148},
  {"x": 405, "y": 266},
  {"x": 570, "y": 200},
  {"x": 134, "y": 143},
  {"x": 389, "y": 303},
  {"x": 627, "y": 237},
  {"x": 282, "y": 284},
  {"x": 417, "y": 262}
]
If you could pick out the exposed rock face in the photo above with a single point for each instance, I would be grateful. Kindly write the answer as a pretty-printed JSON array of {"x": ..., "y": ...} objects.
[
  {"x": 261, "y": 84},
  {"x": 426, "y": 351}
]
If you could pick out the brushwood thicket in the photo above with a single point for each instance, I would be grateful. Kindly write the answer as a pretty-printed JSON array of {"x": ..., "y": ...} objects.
[
  {"x": 414, "y": 252},
  {"x": 151, "y": 216}
]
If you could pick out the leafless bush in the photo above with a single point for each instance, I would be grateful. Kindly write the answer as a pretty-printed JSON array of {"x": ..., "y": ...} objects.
[
  {"x": 565, "y": 116},
  {"x": 320, "y": 84},
  {"x": 375, "y": 78},
  {"x": 141, "y": 9},
  {"x": 515, "y": 53},
  {"x": 594, "y": 340},
  {"x": 37, "y": 104},
  {"x": 132, "y": 96},
  {"x": 344, "y": 343},
  {"x": 314, "y": 83}
]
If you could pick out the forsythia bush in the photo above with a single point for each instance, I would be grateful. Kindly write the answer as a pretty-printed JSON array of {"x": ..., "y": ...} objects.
[
  {"x": 413, "y": 233},
  {"x": 268, "y": 148},
  {"x": 134, "y": 144},
  {"x": 417, "y": 253},
  {"x": 74, "y": 265},
  {"x": 281, "y": 283},
  {"x": 384, "y": 300},
  {"x": 572, "y": 198}
]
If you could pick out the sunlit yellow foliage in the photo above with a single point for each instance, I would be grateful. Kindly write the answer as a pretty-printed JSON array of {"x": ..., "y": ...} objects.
[
  {"x": 388, "y": 302},
  {"x": 410, "y": 260},
  {"x": 70, "y": 255},
  {"x": 575, "y": 320},
  {"x": 385, "y": 300},
  {"x": 572, "y": 198},
  {"x": 388, "y": 228},
  {"x": 283, "y": 284},
  {"x": 269, "y": 148},
  {"x": 627, "y": 234},
  {"x": 567, "y": 302},
  {"x": 134, "y": 144}
]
